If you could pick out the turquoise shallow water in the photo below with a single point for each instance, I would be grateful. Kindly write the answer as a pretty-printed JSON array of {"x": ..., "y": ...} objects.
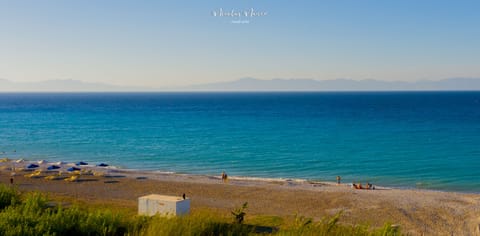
[{"x": 402, "y": 139}]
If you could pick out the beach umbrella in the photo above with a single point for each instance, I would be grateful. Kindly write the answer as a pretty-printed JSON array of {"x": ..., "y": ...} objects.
[
  {"x": 73, "y": 168},
  {"x": 81, "y": 163},
  {"x": 31, "y": 166},
  {"x": 102, "y": 165},
  {"x": 53, "y": 167}
]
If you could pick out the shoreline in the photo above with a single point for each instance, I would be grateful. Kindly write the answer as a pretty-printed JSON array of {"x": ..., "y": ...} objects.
[
  {"x": 300, "y": 183},
  {"x": 417, "y": 211},
  {"x": 204, "y": 178}
]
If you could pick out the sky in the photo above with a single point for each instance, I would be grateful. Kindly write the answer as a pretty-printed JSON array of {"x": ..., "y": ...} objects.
[{"x": 179, "y": 43}]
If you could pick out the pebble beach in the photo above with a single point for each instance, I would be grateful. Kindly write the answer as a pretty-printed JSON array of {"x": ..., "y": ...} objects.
[{"x": 417, "y": 212}]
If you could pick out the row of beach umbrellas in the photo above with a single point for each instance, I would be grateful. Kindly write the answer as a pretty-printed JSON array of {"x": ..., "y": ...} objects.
[{"x": 54, "y": 167}]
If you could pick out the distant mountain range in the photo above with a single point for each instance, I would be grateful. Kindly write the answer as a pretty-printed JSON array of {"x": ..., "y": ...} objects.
[{"x": 252, "y": 84}]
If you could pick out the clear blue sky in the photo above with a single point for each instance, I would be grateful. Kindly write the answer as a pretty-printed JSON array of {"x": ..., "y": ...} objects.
[{"x": 174, "y": 43}]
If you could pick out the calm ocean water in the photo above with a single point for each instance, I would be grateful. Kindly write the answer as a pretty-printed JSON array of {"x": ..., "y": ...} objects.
[{"x": 402, "y": 139}]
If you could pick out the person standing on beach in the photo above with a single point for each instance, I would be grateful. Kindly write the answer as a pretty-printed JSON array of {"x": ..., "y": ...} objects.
[
  {"x": 224, "y": 177},
  {"x": 338, "y": 179}
]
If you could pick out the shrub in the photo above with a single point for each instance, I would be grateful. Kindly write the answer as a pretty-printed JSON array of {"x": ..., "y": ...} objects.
[
  {"x": 239, "y": 213},
  {"x": 34, "y": 217},
  {"x": 200, "y": 223},
  {"x": 8, "y": 196},
  {"x": 329, "y": 226}
]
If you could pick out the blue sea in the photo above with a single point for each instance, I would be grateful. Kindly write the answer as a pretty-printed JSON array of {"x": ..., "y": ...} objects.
[{"x": 426, "y": 140}]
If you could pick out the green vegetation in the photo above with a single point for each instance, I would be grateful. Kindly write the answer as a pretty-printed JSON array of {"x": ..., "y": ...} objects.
[
  {"x": 8, "y": 196},
  {"x": 330, "y": 226},
  {"x": 198, "y": 223},
  {"x": 32, "y": 214}
]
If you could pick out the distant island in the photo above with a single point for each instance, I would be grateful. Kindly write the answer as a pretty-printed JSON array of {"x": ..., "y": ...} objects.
[{"x": 253, "y": 84}]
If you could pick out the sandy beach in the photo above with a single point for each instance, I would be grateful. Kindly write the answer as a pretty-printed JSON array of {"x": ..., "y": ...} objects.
[{"x": 416, "y": 211}]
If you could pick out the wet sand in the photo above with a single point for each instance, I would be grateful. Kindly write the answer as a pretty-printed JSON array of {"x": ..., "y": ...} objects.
[{"x": 416, "y": 211}]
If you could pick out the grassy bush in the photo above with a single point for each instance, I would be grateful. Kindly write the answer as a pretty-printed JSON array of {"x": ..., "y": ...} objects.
[
  {"x": 8, "y": 196},
  {"x": 199, "y": 223},
  {"x": 34, "y": 217},
  {"x": 329, "y": 226}
]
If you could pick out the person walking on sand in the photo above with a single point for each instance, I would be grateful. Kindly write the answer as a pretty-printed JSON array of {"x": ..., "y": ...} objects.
[
  {"x": 11, "y": 176},
  {"x": 338, "y": 179}
]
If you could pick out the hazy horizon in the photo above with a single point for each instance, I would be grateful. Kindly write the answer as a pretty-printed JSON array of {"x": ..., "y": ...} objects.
[{"x": 251, "y": 84}]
